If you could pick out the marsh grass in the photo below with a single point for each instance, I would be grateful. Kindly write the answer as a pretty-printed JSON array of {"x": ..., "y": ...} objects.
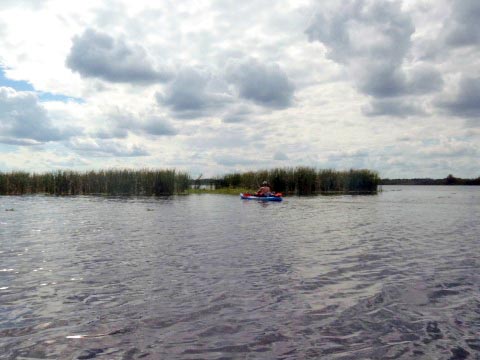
[
  {"x": 147, "y": 182},
  {"x": 305, "y": 181},
  {"x": 106, "y": 182}
]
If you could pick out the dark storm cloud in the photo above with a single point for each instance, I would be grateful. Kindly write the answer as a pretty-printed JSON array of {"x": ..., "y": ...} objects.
[
  {"x": 24, "y": 121},
  {"x": 192, "y": 93},
  {"x": 466, "y": 101},
  {"x": 98, "y": 55},
  {"x": 264, "y": 84},
  {"x": 464, "y": 29},
  {"x": 392, "y": 107}
]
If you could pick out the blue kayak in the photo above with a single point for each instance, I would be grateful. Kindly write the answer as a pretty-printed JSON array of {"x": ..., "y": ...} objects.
[{"x": 261, "y": 198}]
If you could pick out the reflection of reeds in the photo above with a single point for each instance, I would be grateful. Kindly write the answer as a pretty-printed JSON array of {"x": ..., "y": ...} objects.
[
  {"x": 307, "y": 181},
  {"x": 108, "y": 182}
]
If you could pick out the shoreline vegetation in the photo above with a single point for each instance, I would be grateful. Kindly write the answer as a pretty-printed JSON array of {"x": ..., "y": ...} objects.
[
  {"x": 102, "y": 182},
  {"x": 153, "y": 182},
  {"x": 449, "y": 180},
  {"x": 306, "y": 181},
  {"x": 149, "y": 182}
]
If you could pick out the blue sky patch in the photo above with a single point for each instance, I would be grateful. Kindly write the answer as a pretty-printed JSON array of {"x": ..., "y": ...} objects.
[
  {"x": 14, "y": 84},
  {"x": 20, "y": 85},
  {"x": 46, "y": 96}
]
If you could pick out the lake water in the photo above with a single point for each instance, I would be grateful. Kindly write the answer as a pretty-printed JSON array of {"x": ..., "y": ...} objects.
[{"x": 394, "y": 275}]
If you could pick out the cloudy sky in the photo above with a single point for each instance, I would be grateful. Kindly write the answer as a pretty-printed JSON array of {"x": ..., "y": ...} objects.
[{"x": 218, "y": 86}]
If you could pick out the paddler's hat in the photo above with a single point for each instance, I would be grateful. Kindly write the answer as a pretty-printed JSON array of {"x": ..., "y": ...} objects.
[{"x": 264, "y": 183}]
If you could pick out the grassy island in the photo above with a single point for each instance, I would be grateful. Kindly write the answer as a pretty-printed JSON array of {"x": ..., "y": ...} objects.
[
  {"x": 305, "y": 181},
  {"x": 290, "y": 181}
]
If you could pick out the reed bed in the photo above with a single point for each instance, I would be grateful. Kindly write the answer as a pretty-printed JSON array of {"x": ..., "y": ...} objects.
[
  {"x": 306, "y": 181},
  {"x": 292, "y": 181},
  {"x": 106, "y": 182}
]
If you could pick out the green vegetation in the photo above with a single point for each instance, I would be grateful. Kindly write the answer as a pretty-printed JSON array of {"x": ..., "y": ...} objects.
[
  {"x": 449, "y": 180},
  {"x": 106, "y": 182},
  {"x": 149, "y": 182},
  {"x": 290, "y": 181},
  {"x": 305, "y": 181}
]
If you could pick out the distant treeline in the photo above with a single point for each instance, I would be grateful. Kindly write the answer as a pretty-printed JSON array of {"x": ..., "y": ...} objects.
[
  {"x": 449, "y": 180},
  {"x": 107, "y": 182},
  {"x": 305, "y": 181}
]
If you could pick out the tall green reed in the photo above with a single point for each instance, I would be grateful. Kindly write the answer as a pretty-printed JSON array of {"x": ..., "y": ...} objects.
[
  {"x": 306, "y": 180},
  {"x": 109, "y": 182}
]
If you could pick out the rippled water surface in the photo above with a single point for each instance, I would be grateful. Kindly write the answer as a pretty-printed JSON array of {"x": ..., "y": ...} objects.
[{"x": 394, "y": 275}]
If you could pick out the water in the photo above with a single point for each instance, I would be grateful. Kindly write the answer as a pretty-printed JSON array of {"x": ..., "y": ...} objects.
[{"x": 212, "y": 277}]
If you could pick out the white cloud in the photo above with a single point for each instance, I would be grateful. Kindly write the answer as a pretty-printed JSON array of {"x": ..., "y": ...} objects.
[
  {"x": 25, "y": 121},
  {"x": 465, "y": 102},
  {"x": 279, "y": 155},
  {"x": 264, "y": 84},
  {"x": 195, "y": 93},
  {"x": 106, "y": 148},
  {"x": 98, "y": 55},
  {"x": 26, "y": 4}
]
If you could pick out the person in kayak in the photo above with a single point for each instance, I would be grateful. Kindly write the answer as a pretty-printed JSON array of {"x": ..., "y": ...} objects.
[{"x": 264, "y": 190}]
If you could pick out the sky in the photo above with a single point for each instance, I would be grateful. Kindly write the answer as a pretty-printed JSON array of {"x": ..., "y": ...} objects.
[{"x": 214, "y": 87}]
